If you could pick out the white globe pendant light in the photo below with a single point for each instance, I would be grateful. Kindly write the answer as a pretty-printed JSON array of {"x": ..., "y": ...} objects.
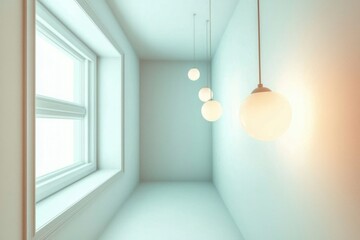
[
  {"x": 194, "y": 73},
  {"x": 264, "y": 114},
  {"x": 205, "y": 94},
  {"x": 211, "y": 110}
]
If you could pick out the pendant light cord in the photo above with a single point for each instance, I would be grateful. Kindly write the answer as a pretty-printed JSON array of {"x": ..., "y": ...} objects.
[
  {"x": 207, "y": 54},
  {"x": 194, "y": 53},
  {"x": 259, "y": 42},
  {"x": 210, "y": 82}
]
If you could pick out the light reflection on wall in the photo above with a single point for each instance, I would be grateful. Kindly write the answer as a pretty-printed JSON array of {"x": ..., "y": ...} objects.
[{"x": 311, "y": 54}]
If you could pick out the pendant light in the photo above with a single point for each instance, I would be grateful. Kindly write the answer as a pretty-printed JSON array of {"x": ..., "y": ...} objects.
[
  {"x": 264, "y": 114},
  {"x": 194, "y": 73},
  {"x": 205, "y": 93},
  {"x": 211, "y": 110}
]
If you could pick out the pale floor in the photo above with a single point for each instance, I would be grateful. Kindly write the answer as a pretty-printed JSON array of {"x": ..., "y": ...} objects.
[{"x": 173, "y": 211}]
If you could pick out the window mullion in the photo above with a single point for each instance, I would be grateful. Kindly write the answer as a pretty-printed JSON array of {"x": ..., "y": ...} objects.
[{"x": 47, "y": 107}]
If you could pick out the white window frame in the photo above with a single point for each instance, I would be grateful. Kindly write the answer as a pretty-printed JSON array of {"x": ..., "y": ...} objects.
[
  {"x": 46, "y": 107},
  {"x": 44, "y": 218}
]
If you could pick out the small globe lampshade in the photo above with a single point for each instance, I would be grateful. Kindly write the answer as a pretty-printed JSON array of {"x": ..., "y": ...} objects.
[
  {"x": 265, "y": 115},
  {"x": 205, "y": 94},
  {"x": 211, "y": 110},
  {"x": 194, "y": 74}
]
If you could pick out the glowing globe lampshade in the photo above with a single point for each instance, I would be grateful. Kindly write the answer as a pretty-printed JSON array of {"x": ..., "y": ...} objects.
[
  {"x": 211, "y": 110},
  {"x": 265, "y": 115},
  {"x": 205, "y": 94},
  {"x": 194, "y": 74}
]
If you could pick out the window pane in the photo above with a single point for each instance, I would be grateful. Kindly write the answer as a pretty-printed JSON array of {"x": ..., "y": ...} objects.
[
  {"x": 56, "y": 71},
  {"x": 58, "y": 144}
]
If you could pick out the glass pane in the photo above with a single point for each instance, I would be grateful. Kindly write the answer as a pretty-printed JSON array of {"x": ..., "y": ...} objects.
[
  {"x": 58, "y": 144},
  {"x": 56, "y": 71}
]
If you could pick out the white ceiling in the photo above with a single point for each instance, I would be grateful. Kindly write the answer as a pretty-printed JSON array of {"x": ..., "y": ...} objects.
[{"x": 163, "y": 29}]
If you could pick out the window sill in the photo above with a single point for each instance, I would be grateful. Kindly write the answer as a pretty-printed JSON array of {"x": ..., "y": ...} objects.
[{"x": 54, "y": 211}]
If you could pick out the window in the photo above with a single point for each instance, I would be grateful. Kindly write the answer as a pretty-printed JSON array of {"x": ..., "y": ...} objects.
[
  {"x": 65, "y": 107},
  {"x": 79, "y": 119}
]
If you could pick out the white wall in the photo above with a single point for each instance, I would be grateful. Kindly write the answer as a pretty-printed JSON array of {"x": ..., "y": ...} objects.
[
  {"x": 10, "y": 119},
  {"x": 175, "y": 140},
  {"x": 306, "y": 184},
  {"x": 100, "y": 210}
]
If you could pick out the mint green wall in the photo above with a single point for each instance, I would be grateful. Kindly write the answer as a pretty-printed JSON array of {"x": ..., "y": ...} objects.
[
  {"x": 175, "y": 140},
  {"x": 304, "y": 186}
]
